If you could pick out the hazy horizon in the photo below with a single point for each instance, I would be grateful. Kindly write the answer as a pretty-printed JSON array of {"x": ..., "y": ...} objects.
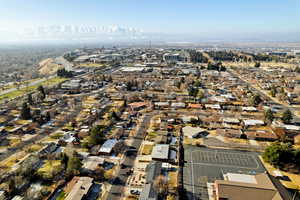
[{"x": 141, "y": 21}]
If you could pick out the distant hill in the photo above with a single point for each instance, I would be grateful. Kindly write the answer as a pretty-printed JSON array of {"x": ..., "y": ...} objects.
[{"x": 48, "y": 67}]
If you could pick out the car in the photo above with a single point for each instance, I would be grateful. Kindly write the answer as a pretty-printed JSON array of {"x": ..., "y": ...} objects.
[{"x": 135, "y": 192}]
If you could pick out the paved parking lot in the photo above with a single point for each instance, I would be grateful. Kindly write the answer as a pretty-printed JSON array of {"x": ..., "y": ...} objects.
[{"x": 206, "y": 165}]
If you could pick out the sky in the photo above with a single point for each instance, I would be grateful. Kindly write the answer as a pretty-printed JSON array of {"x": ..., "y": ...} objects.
[{"x": 182, "y": 17}]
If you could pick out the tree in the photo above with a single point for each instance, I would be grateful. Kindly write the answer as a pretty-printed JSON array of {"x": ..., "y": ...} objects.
[
  {"x": 97, "y": 135},
  {"x": 25, "y": 112},
  {"x": 201, "y": 94},
  {"x": 255, "y": 99},
  {"x": 278, "y": 154},
  {"x": 115, "y": 116},
  {"x": 287, "y": 116},
  {"x": 48, "y": 116},
  {"x": 42, "y": 91},
  {"x": 197, "y": 83},
  {"x": 257, "y": 64},
  {"x": 273, "y": 91},
  {"x": 29, "y": 99},
  {"x": 74, "y": 164},
  {"x": 193, "y": 91},
  {"x": 11, "y": 186},
  {"x": 269, "y": 115},
  {"x": 64, "y": 73}
]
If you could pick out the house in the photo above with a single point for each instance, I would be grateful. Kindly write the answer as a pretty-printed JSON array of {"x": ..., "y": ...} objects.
[
  {"x": 297, "y": 139},
  {"x": 187, "y": 119},
  {"x": 161, "y": 105},
  {"x": 193, "y": 132},
  {"x": 249, "y": 187},
  {"x": 148, "y": 192},
  {"x": 136, "y": 106},
  {"x": 107, "y": 147},
  {"x": 261, "y": 135},
  {"x": 229, "y": 120},
  {"x": 80, "y": 187},
  {"x": 177, "y": 105},
  {"x": 213, "y": 106},
  {"x": 91, "y": 163},
  {"x": 231, "y": 133},
  {"x": 253, "y": 122},
  {"x": 195, "y": 106},
  {"x": 249, "y": 109}
]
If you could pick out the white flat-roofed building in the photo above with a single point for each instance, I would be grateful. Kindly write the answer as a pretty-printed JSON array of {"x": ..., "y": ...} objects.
[
  {"x": 160, "y": 152},
  {"x": 244, "y": 178},
  {"x": 107, "y": 146},
  {"x": 213, "y": 106},
  {"x": 192, "y": 132},
  {"x": 249, "y": 109},
  {"x": 133, "y": 69},
  {"x": 253, "y": 122}
]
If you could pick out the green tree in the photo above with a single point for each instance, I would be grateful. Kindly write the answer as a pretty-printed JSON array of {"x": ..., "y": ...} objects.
[
  {"x": 25, "y": 112},
  {"x": 29, "y": 99},
  {"x": 255, "y": 99},
  {"x": 193, "y": 91},
  {"x": 287, "y": 116},
  {"x": 273, "y": 91},
  {"x": 257, "y": 64},
  {"x": 42, "y": 91},
  {"x": 278, "y": 154},
  {"x": 96, "y": 135},
  {"x": 74, "y": 164},
  {"x": 197, "y": 83},
  {"x": 269, "y": 115}
]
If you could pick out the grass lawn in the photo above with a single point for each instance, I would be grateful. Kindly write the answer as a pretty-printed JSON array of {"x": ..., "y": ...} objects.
[
  {"x": 295, "y": 178},
  {"x": 14, "y": 142},
  {"x": 152, "y": 134},
  {"x": 10, "y": 161},
  {"x": 57, "y": 135},
  {"x": 25, "y": 90},
  {"x": 49, "y": 168},
  {"x": 61, "y": 196},
  {"x": 34, "y": 148},
  {"x": 147, "y": 149}
]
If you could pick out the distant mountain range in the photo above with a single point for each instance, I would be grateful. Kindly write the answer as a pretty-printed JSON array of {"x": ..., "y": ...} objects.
[
  {"x": 116, "y": 34},
  {"x": 58, "y": 32}
]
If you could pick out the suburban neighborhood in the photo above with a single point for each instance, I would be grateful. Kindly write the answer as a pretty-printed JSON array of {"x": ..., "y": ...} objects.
[{"x": 154, "y": 123}]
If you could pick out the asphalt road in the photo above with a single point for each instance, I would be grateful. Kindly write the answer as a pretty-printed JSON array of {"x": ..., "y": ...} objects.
[{"x": 117, "y": 190}]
